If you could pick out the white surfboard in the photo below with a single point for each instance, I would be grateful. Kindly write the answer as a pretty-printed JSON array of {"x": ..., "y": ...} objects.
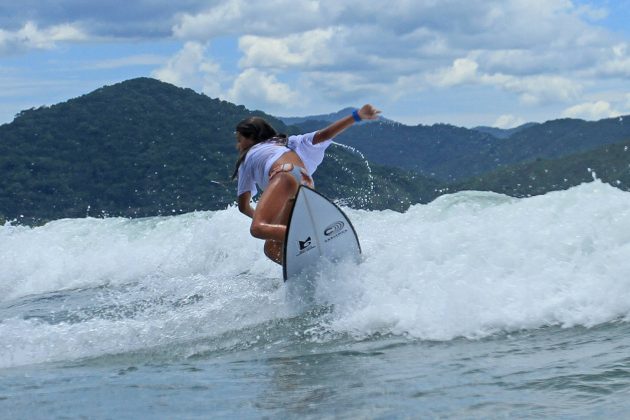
[{"x": 317, "y": 229}]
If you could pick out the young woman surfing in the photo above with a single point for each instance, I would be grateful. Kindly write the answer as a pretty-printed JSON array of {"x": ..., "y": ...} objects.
[{"x": 279, "y": 165}]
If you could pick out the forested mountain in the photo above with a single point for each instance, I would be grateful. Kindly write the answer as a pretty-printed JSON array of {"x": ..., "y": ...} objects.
[
  {"x": 439, "y": 151},
  {"x": 610, "y": 163},
  {"x": 143, "y": 147},
  {"x": 452, "y": 153},
  {"x": 503, "y": 133}
]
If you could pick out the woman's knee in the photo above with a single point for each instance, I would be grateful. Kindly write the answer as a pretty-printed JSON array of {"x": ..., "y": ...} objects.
[{"x": 256, "y": 229}]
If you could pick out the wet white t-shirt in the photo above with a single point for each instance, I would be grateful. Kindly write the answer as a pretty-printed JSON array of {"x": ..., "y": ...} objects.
[{"x": 254, "y": 171}]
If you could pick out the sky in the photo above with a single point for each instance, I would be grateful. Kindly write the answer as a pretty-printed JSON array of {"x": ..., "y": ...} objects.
[{"x": 497, "y": 63}]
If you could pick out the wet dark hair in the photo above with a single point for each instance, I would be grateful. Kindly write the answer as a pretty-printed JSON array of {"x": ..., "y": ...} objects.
[{"x": 258, "y": 130}]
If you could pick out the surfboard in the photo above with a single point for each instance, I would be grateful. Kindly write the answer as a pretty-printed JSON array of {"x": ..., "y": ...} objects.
[{"x": 317, "y": 229}]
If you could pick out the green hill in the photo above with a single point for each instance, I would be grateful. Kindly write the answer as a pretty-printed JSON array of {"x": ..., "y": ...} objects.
[
  {"x": 610, "y": 163},
  {"x": 453, "y": 154},
  {"x": 143, "y": 148}
]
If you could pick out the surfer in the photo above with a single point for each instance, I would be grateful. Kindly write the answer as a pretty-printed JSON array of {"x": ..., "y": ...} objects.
[{"x": 278, "y": 165}]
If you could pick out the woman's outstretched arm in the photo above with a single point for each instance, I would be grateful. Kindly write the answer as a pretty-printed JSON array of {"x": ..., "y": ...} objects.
[{"x": 367, "y": 112}]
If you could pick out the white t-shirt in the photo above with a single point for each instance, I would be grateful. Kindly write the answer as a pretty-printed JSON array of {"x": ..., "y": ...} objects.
[{"x": 260, "y": 158}]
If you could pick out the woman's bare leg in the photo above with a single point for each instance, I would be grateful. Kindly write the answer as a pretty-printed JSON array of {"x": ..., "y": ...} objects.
[
  {"x": 274, "y": 207},
  {"x": 273, "y": 249},
  {"x": 272, "y": 212}
]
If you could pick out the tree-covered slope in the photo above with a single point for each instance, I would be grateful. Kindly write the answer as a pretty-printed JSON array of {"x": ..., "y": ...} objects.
[
  {"x": 452, "y": 153},
  {"x": 610, "y": 163},
  {"x": 143, "y": 147}
]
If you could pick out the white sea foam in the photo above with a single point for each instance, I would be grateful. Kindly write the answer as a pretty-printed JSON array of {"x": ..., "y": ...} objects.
[
  {"x": 474, "y": 263},
  {"x": 78, "y": 253},
  {"x": 468, "y": 264}
]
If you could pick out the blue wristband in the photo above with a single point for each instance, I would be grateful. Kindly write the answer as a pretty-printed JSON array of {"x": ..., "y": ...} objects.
[{"x": 356, "y": 116}]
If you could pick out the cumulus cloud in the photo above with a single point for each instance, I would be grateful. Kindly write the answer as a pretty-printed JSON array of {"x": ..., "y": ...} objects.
[
  {"x": 222, "y": 19},
  {"x": 462, "y": 71},
  {"x": 532, "y": 90},
  {"x": 542, "y": 52},
  {"x": 616, "y": 64},
  {"x": 257, "y": 89},
  {"x": 310, "y": 50},
  {"x": 538, "y": 50},
  {"x": 105, "y": 19},
  {"x": 591, "y": 111},
  {"x": 191, "y": 68},
  {"x": 30, "y": 36},
  {"x": 269, "y": 18}
]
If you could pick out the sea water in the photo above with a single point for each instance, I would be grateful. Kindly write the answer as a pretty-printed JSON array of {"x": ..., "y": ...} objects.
[{"x": 475, "y": 305}]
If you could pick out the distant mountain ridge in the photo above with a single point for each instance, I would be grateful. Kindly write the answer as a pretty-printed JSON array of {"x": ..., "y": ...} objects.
[
  {"x": 503, "y": 133},
  {"x": 451, "y": 153},
  {"x": 332, "y": 117},
  {"x": 500, "y": 133}
]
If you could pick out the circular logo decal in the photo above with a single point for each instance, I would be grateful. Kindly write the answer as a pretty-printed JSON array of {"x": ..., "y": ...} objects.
[{"x": 334, "y": 228}]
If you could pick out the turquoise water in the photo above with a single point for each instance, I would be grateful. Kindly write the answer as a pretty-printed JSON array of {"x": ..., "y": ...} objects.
[{"x": 476, "y": 305}]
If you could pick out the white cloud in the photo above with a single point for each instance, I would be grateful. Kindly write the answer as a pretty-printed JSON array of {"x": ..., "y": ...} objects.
[
  {"x": 591, "y": 111},
  {"x": 311, "y": 50},
  {"x": 532, "y": 90},
  {"x": 538, "y": 50},
  {"x": 271, "y": 18},
  {"x": 508, "y": 121},
  {"x": 258, "y": 89},
  {"x": 541, "y": 52},
  {"x": 223, "y": 19},
  {"x": 191, "y": 68},
  {"x": 462, "y": 71},
  {"x": 137, "y": 19},
  {"x": 183, "y": 66},
  {"x": 535, "y": 90},
  {"x": 616, "y": 63},
  {"x": 30, "y": 36}
]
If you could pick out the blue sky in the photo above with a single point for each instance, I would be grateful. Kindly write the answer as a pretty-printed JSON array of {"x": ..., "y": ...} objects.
[{"x": 464, "y": 62}]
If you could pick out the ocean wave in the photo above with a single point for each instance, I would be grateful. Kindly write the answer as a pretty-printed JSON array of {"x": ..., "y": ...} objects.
[{"x": 470, "y": 264}]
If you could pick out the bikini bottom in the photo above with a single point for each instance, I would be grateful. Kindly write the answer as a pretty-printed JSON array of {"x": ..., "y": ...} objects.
[{"x": 300, "y": 174}]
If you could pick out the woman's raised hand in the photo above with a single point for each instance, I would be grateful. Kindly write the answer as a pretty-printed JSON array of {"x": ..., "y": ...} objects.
[{"x": 368, "y": 112}]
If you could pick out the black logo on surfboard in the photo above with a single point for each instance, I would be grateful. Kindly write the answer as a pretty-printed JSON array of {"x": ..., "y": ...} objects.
[
  {"x": 305, "y": 246},
  {"x": 305, "y": 243},
  {"x": 334, "y": 228}
]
